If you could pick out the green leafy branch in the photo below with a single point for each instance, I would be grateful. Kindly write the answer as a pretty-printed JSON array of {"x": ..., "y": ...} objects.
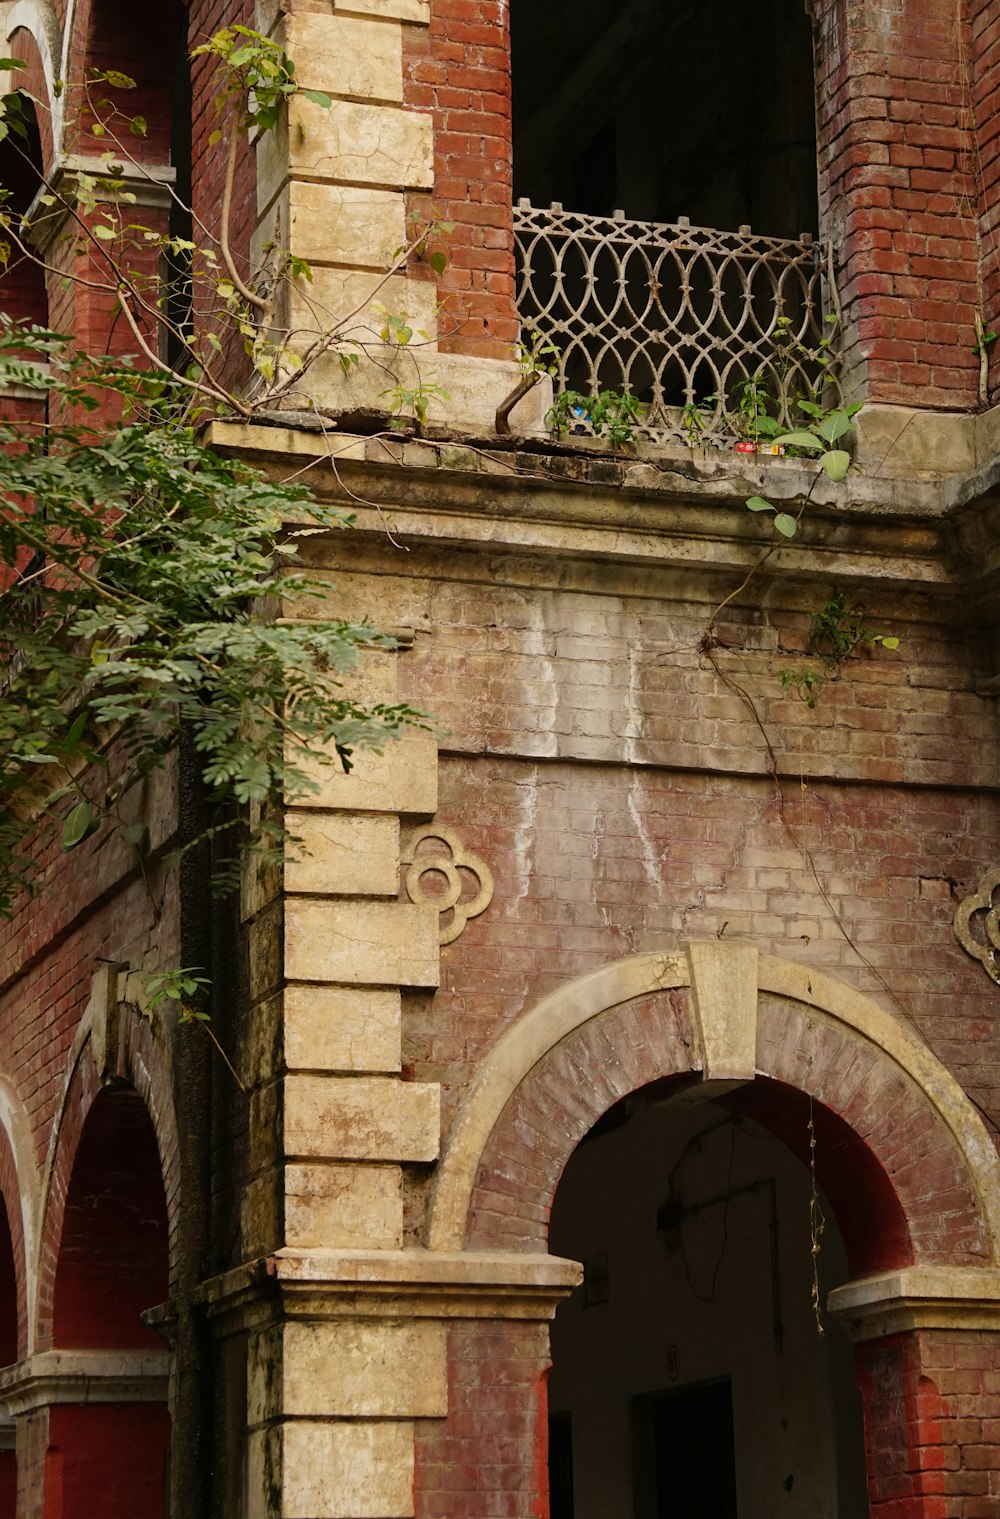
[{"x": 144, "y": 612}]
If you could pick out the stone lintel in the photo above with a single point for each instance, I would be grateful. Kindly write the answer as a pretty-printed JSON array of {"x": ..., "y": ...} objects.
[
  {"x": 436, "y": 1284},
  {"x": 84, "y": 1376},
  {"x": 919, "y": 1297}
]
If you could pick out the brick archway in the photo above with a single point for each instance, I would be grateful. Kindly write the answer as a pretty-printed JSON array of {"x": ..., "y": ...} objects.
[
  {"x": 912, "y": 1176},
  {"x": 721, "y": 1012}
]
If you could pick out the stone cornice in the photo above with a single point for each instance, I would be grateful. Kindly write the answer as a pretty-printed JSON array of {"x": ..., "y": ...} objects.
[
  {"x": 682, "y": 512},
  {"x": 919, "y": 1297},
  {"x": 84, "y": 1376},
  {"x": 392, "y": 1284},
  {"x": 149, "y": 185}
]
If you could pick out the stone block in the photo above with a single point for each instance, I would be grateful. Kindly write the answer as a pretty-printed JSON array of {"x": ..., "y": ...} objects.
[
  {"x": 402, "y": 779},
  {"x": 338, "y": 294},
  {"x": 343, "y": 855},
  {"x": 335, "y": 224},
  {"x": 340, "y": 1028},
  {"x": 378, "y": 145},
  {"x": 361, "y": 1118},
  {"x": 336, "y": 1207},
  {"x": 360, "y": 57},
  {"x": 475, "y": 388},
  {"x": 361, "y": 943},
  {"x": 364, "y": 1369},
  {"x": 347, "y": 1471},
  {"x": 418, "y": 11}
]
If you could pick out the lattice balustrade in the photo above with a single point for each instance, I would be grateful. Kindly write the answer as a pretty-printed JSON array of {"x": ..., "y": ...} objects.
[{"x": 678, "y": 316}]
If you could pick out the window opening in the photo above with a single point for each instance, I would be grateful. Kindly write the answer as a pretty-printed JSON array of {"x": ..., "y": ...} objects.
[{"x": 666, "y": 205}]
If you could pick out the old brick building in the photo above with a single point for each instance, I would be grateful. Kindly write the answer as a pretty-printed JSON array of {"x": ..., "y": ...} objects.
[{"x": 647, "y": 956}]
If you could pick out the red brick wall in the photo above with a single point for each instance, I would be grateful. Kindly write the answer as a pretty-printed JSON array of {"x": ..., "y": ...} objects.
[
  {"x": 459, "y": 70},
  {"x": 489, "y": 1456},
  {"x": 931, "y": 1402},
  {"x": 985, "y": 71},
  {"x": 898, "y": 194}
]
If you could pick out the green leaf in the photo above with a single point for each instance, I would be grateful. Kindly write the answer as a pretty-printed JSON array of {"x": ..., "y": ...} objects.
[
  {"x": 318, "y": 98},
  {"x": 79, "y": 825},
  {"x": 799, "y": 438},
  {"x": 836, "y": 463},
  {"x": 834, "y": 426},
  {"x": 889, "y": 643},
  {"x": 785, "y": 524},
  {"x": 104, "y": 232},
  {"x": 758, "y": 504},
  {"x": 437, "y": 261},
  {"x": 135, "y": 833}
]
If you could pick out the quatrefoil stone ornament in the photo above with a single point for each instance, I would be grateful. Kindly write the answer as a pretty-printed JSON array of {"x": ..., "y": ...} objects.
[
  {"x": 468, "y": 881},
  {"x": 977, "y": 924}
]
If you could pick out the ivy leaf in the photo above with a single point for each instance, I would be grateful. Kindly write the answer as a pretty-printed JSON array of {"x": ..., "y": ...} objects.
[
  {"x": 758, "y": 504},
  {"x": 889, "y": 643},
  {"x": 318, "y": 98},
  {"x": 785, "y": 524}
]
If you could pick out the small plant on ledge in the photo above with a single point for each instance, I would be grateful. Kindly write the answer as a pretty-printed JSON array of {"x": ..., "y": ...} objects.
[{"x": 610, "y": 414}]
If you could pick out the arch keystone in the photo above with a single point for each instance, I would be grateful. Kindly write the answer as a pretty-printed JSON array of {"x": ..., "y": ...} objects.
[{"x": 724, "y": 988}]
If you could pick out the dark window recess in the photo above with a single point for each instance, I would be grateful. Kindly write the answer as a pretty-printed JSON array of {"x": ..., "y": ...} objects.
[
  {"x": 700, "y": 108},
  {"x": 560, "y": 1466},
  {"x": 683, "y": 1453}
]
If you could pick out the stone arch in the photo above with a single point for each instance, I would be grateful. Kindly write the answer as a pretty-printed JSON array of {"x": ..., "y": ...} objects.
[
  {"x": 19, "y": 1192},
  {"x": 32, "y": 35},
  {"x": 727, "y": 1015},
  {"x": 114, "y": 1047}
]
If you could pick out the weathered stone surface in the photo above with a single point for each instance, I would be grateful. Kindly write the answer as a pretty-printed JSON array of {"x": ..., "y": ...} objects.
[
  {"x": 364, "y": 1370},
  {"x": 337, "y": 1207},
  {"x": 336, "y": 224},
  {"x": 360, "y": 57},
  {"x": 347, "y": 1470},
  {"x": 361, "y": 1118},
  {"x": 377, "y": 145},
  {"x": 343, "y": 855},
  {"x": 360, "y": 943},
  {"x": 402, "y": 779},
  {"x": 339, "y": 1028}
]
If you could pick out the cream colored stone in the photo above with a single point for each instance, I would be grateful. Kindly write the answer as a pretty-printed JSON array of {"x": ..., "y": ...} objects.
[
  {"x": 361, "y": 943},
  {"x": 335, "y": 224},
  {"x": 361, "y": 1118},
  {"x": 347, "y": 1470},
  {"x": 364, "y": 1370},
  {"x": 343, "y": 855},
  {"x": 263, "y": 1477},
  {"x": 954, "y": 1298},
  {"x": 474, "y": 388},
  {"x": 336, "y": 1207},
  {"x": 903, "y": 442},
  {"x": 348, "y": 301},
  {"x": 340, "y": 1028},
  {"x": 724, "y": 1001},
  {"x": 378, "y": 145},
  {"x": 418, "y": 11},
  {"x": 403, "y": 779},
  {"x": 357, "y": 57}
]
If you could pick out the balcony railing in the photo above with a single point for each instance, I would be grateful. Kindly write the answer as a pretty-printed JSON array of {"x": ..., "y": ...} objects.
[{"x": 681, "y": 317}]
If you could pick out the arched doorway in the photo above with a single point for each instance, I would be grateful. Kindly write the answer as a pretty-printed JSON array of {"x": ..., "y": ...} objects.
[
  {"x": 905, "y": 1158},
  {"x": 112, "y": 1264},
  {"x": 694, "y": 1371},
  {"x": 8, "y": 1355}
]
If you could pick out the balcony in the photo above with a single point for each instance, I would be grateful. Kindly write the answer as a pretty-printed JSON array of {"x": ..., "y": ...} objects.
[{"x": 680, "y": 317}]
